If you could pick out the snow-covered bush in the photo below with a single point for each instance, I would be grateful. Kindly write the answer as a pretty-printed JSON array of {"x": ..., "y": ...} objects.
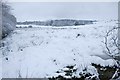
[{"x": 8, "y": 20}]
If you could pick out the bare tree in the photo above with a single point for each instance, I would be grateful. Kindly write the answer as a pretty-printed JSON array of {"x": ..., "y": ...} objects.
[
  {"x": 113, "y": 46},
  {"x": 112, "y": 43}
]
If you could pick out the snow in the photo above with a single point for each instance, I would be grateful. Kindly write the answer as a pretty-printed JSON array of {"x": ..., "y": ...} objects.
[{"x": 40, "y": 52}]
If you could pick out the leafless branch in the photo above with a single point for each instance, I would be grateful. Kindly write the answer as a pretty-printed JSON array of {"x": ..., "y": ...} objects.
[{"x": 114, "y": 39}]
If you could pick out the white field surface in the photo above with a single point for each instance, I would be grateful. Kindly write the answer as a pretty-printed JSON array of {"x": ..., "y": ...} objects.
[{"x": 40, "y": 52}]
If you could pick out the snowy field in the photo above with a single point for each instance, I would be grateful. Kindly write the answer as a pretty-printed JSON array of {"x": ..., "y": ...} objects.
[{"x": 41, "y": 52}]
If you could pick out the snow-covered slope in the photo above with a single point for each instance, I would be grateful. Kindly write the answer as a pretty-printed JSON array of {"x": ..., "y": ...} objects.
[{"x": 41, "y": 52}]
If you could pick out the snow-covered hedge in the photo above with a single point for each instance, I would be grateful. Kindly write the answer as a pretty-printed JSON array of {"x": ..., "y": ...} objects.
[{"x": 61, "y": 22}]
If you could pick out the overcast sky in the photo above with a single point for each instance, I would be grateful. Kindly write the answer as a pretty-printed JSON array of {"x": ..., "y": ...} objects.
[{"x": 57, "y": 10}]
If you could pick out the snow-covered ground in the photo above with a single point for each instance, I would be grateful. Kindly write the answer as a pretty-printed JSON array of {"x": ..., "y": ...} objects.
[{"x": 41, "y": 52}]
